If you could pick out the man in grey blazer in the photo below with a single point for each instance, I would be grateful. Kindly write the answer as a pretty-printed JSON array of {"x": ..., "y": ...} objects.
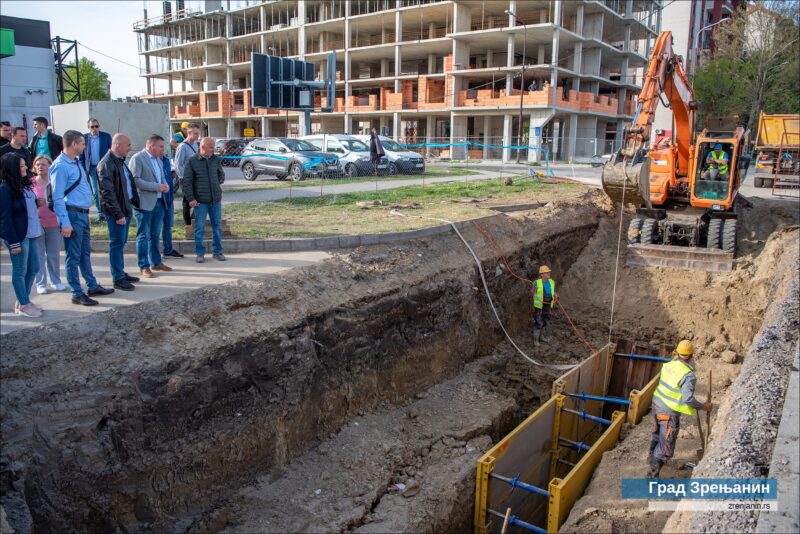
[{"x": 148, "y": 173}]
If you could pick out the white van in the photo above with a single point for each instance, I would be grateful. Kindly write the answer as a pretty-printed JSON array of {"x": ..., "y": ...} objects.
[
  {"x": 353, "y": 154},
  {"x": 401, "y": 161}
]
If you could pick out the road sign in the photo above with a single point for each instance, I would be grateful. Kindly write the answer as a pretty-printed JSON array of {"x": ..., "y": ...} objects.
[{"x": 537, "y": 131}]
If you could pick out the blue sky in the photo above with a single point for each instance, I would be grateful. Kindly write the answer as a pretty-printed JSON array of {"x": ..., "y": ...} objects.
[{"x": 105, "y": 26}]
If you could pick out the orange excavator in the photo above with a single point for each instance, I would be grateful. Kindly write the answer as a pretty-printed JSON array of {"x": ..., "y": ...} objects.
[{"x": 684, "y": 188}]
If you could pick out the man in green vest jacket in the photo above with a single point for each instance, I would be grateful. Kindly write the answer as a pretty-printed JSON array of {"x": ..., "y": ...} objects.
[
  {"x": 544, "y": 298},
  {"x": 673, "y": 396}
]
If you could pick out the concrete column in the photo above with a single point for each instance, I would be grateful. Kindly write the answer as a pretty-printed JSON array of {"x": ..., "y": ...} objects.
[
  {"x": 301, "y": 30},
  {"x": 579, "y": 19},
  {"x": 396, "y": 126},
  {"x": 540, "y": 55},
  {"x": 534, "y": 140},
  {"x": 573, "y": 130},
  {"x": 431, "y": 63},
  {"x": 430, "y": 126},
  {"x": 262, "y": 18},
  {"x": 462, "y": 17},
  {"x": 431, "y": 30},
  {"x": 458, "y": 134},
  {"x": 348, "y": 123},
  {"x": 398, "y": 25},
  {"x": 510, "y": 63},
  {"x": 265, "y": 127},
  {"x": 489, "y": 58},
  {"x": 554, "y": 58},
  {"x": 556, "y": 137},
  {"x": 384, "y": 67},
  {"x": 383, "y": 121},
  {"x": 487, "y": 123},
  {"x": 508, "y": 124},
  {"x": 398, "y": 60},
  {"x": 512, "y": 6}
]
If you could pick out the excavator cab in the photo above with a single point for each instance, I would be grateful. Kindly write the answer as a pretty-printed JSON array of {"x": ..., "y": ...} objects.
[{"x": 711, "y": 183}]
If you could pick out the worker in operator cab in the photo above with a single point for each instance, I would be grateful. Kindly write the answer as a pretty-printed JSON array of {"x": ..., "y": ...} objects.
[
  {"x": 717, "y": 165},
  {"x": 544, "y": 298},
  {"x": 673, "y": 397}
]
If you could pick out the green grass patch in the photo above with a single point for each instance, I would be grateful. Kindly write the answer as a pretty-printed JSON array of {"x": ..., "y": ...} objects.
[{"x": 340, "y": 215}]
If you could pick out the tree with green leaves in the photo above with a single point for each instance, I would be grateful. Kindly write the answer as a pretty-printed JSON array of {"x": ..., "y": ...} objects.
[
  {"x": 93, "y": 80},
  {"x": 756, "y": 63}
]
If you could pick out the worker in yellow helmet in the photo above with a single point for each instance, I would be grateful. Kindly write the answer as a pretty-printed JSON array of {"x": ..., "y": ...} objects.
[
  {"x": 544, "y": 298},
  {"x": 673, "y": 396}
]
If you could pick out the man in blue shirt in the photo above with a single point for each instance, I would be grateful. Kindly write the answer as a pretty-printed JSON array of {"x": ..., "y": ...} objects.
[
  {"x": 97, "y": 145},
  {"x": 72, "y": 198}
]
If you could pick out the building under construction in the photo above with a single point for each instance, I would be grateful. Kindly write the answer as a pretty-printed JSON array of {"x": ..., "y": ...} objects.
[{"x": 418, "y": 69}]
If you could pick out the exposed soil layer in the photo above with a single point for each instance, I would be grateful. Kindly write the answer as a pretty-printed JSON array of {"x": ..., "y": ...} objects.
[
  {"x": 294, "y": 403},
  {"x": 752, "y": 312},
  {"x": 144, "y": 417}
]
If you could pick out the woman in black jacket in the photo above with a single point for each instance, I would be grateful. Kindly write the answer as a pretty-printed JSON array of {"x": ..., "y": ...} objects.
[{"x": 19, "y": 227}]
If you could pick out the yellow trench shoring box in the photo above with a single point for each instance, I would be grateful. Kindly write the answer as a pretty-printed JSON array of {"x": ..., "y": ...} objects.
[{"x": 543, "y": 466}]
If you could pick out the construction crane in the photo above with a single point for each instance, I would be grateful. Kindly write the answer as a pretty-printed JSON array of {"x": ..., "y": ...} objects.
[{"x": 685, "y": 206}]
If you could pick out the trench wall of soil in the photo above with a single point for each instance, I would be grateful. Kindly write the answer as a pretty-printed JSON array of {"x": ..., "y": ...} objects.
[{"x": 142, "y": 415}]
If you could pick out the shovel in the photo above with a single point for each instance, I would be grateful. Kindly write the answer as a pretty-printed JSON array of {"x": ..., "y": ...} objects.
[{"x": 704, "y": 437}]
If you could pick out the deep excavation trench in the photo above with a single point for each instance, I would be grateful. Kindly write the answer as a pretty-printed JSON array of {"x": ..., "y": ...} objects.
[{"x": 294, "y": 403}]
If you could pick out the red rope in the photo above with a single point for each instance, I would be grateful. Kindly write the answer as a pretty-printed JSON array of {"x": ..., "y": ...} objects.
[{"x": 499, "y": 252}]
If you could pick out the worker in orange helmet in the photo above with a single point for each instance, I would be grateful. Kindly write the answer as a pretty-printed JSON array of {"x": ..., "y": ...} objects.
[
  {"x": 673, "y": 396},
  {"x": 544, "y": 298}
]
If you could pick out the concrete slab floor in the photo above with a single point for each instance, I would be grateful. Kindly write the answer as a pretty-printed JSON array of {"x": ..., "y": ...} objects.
[{"x": 187, "y": 275}]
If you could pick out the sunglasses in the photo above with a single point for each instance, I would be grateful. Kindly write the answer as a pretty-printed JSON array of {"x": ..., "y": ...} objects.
[{"x": 93, "y": 126}]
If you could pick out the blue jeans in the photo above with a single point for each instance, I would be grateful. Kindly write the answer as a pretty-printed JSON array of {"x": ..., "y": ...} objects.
[
  {"x": 78, "y": 251},
  {"x": 24, "y": 267},
  {"x": 214, "y": 212},
  {"x": 148, "y": 230},
  {"x": 166, "y": 235},
  {"x": 96, "y": 191},
  {"x": 117, "y": 237}
]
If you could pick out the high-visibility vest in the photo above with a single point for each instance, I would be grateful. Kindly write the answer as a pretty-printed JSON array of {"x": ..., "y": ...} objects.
[
  {"x": 538, "y": 294},
  {"x": 669, "y": 389},
  {"x": 721, "y": 167}
]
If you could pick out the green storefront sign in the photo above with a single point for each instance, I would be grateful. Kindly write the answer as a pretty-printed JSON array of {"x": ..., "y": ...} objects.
[{"x": 6, "y": 42}]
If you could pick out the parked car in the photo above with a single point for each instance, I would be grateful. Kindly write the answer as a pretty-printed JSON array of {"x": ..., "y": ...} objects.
[
  {"x": 287, "y": 158},
  {"x": 230, "y": 147},
  {"x": 401, "y": 161},
  {"x": 353, "y": 154}
]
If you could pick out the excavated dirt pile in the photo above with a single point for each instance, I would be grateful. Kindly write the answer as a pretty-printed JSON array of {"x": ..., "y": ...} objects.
[{"x": 354, "y": 395}]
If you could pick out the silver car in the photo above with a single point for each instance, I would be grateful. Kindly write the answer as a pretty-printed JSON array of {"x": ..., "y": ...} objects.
[
  {"x": 284, "y": 158},
  {"x": 353, "y": 154}
]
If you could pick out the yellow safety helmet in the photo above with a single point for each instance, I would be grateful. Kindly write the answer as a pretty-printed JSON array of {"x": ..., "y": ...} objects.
[
  {"x": 544, "y": 269},
  {"x": 184, "y": 125},
  {"x": 685, "y": 349}
]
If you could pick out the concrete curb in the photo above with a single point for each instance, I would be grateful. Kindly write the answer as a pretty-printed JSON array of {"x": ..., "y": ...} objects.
[{"x": 238, "y": 246}]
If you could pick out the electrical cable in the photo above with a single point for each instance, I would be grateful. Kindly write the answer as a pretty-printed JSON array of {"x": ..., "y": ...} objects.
[
  {"x": 109, "y": 57},
  {"x": 488, "y": 294}
]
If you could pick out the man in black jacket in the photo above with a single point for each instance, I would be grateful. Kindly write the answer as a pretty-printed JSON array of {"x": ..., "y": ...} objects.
[
  {"x": 117, "y": 195},
  {"x": 202, "y": 180},
  {"x": 45, "y": 141}
]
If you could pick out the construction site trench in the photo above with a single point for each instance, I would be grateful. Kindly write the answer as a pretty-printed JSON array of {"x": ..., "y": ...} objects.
[{"x": 296, "y": 403}]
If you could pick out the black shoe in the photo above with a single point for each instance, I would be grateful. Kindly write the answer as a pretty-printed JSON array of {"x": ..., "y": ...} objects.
[
  {"x": 655, "y": 469},
  {"x": 174, "y": 254},
  {"x": 100, "y": 290},
  {"x": 84, "y": 300},
  {"x": 124, "y": 285},
  {"x": 129, "y": 278}
]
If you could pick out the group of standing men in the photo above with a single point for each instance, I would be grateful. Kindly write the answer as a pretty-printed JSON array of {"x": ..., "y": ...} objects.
[{"x": 94, "y": 169}]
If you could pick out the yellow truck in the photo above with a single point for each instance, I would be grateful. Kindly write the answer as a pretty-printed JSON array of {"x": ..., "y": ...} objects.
[{"x": 778, "y": 145}]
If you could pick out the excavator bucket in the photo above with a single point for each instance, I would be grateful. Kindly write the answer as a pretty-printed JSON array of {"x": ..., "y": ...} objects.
[{"x": 627, "y": 183}]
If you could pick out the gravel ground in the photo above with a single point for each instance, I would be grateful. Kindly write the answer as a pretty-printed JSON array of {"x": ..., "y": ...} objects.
[{"x": 748, "y": 420}]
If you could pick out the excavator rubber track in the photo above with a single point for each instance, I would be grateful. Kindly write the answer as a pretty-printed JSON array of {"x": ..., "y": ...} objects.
[{"x": 627, "y": 183}]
